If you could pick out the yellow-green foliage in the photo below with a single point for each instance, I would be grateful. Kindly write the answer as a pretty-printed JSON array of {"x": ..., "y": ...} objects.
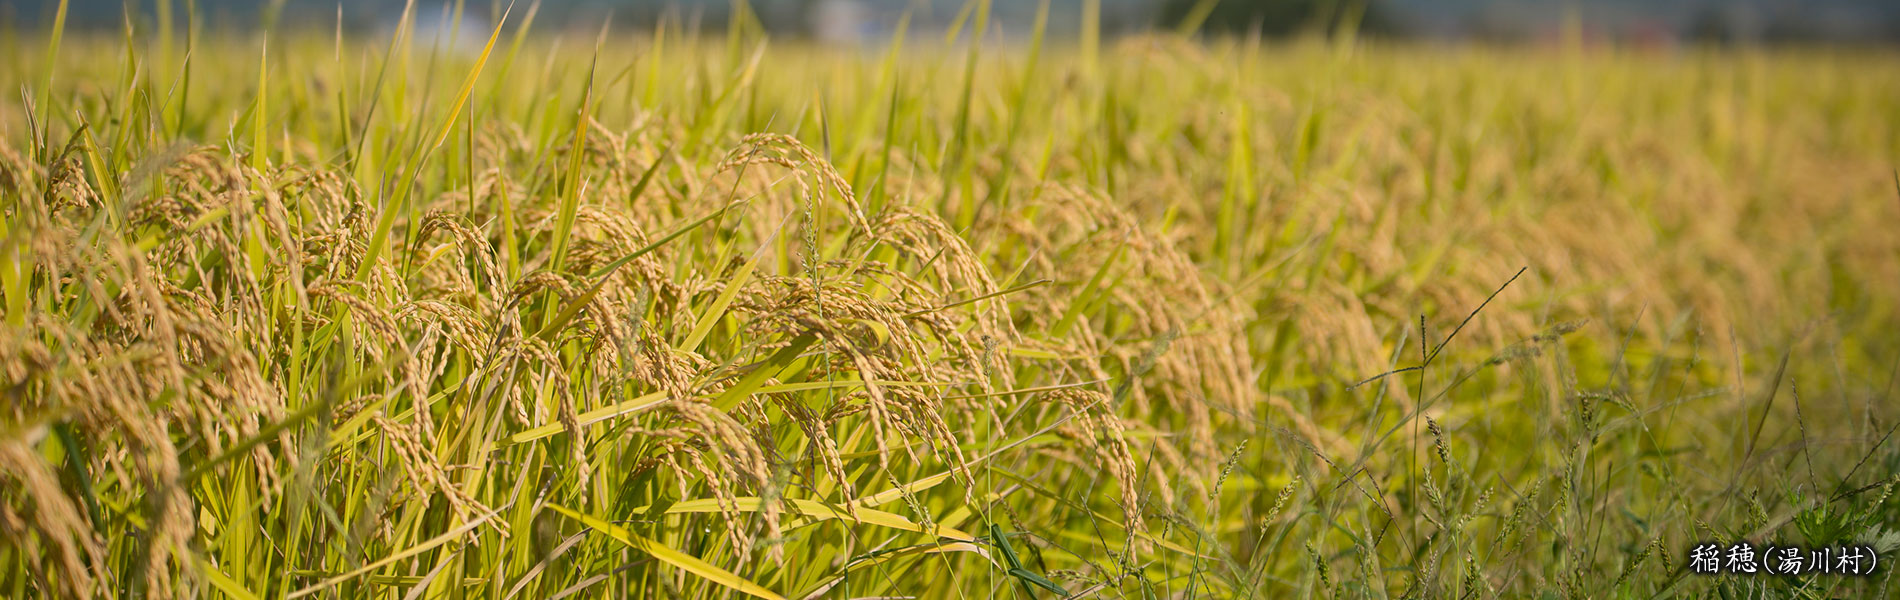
[{"x": 656, "y": 315}]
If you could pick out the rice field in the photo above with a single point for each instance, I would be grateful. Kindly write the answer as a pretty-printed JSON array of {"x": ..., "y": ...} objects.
[{"x": 670, "y": 313}]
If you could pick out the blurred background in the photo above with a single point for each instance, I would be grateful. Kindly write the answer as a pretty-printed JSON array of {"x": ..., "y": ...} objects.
[{"x": 1654, "y": 23}]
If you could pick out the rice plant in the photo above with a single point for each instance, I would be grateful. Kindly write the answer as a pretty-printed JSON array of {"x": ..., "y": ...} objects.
[{"x": 295, "y": 313}]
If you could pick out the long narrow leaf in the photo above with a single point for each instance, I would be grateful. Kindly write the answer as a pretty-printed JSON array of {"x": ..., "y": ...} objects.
[{"x": 668, "y": 555}]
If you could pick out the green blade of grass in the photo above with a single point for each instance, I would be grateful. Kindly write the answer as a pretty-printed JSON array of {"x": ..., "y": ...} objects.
[
  {"x": 1190, "y": 23},
  {"x": 814, "y": 512},
  {"x": 54, "y": 36},
  {"x": 884, "y": 556},
  {"x": 223, "y": 582},
  {"x": 577, "y": 154},
  {"x": 1030, "y": 577},
  {"x": 425, "y": 546},
  {"x": 655, "y": 399},
  {"x": 260, "y": 142},
  {"x": 668, "y": 555},
  {"x": 717, "y": 310},
  {"x": 574, "y": 306},
  {"x": 379, "y": 237},
  {"x": 770, "y": 368},
  {"x": 591, "y": 417}
]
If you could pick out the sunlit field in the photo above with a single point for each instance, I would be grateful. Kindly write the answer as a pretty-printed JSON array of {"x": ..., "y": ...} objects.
[{"x": 670, "y": 313}]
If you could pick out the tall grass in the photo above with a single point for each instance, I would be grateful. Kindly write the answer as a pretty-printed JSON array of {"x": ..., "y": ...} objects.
[{"x": 657, "y": 314}]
